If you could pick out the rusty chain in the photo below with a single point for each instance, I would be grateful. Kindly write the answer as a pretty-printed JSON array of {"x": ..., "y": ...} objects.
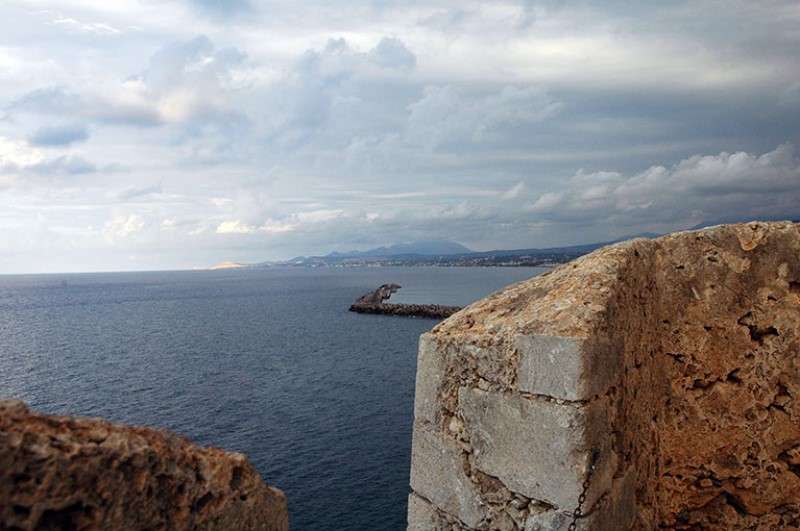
[{"x": 578, "y": 512}]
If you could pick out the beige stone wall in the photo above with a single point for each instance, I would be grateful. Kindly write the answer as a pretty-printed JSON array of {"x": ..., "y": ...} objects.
[
  {"x": 68, "y": 473},
  {"x": 651, "y": 384}
]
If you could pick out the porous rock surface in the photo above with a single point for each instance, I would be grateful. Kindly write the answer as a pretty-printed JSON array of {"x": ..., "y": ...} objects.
[
  {"x": 72, "y": 473},
  {"x": 652, "y": 384}
]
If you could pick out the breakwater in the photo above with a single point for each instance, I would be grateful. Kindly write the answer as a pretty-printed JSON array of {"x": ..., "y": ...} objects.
[{"x": 373, "y": 302}]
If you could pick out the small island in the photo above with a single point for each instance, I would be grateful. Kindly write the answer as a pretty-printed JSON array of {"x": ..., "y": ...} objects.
[{"x": 374, "y": 302}]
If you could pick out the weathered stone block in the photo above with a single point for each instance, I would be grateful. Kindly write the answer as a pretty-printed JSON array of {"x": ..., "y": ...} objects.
[
  {"x": 421, "y": 516},
  {"x": 548, "y": 521},
  {"x": 533, "y": 447},
  {"x": 437, "y": 474},
  {"x": 430, "y": 371},
  {"x": 566, "y": 368}
]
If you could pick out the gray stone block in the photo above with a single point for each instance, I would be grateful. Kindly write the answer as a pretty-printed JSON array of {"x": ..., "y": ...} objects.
[
  {"x": 430, "y": 371},
  {"x": 438, "y": 476},
  {"x": 535, "y": 448},
  {"x": 565, "y": 368},
  {"x": 421, "y": 516},
  {"x": 551, "y": 366},
  {"x": 548, "y": 521}
]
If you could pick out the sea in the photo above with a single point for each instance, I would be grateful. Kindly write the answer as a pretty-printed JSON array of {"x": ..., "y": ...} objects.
[{"x": 267, "y": 362}]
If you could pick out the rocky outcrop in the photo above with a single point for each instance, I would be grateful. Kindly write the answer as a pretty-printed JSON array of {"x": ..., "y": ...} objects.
[
  {"x": 381, "y": 294},
  {"x": 69, "y": 473},
  {"x": 373, "y": 302},
  {"x": 651, "y": 384}
]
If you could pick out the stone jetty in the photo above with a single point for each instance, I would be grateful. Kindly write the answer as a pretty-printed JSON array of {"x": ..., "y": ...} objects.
[{"x": 373, "y": 302}]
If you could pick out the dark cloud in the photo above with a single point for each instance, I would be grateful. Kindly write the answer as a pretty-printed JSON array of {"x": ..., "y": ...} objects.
[
  {"x": 335, "y": 94},
  {"x": 59, "y": 135},
  {"x": 450, "y": 118},
  {"x": 135, "y": 193},
  {"x": 64, "y": 165},
  {"x": 392, "y": 53},
  {"x": 49, "y": 100},
  {"x": 447, "y": 21},
  {"x": 223, "y": 8}
]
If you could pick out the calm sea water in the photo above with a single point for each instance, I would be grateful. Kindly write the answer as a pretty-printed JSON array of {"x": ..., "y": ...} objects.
[{"x": 265, "y": 362}]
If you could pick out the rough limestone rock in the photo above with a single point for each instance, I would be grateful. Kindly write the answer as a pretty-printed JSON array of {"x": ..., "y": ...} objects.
[
  {"x": 654, "y": 384},
  {"x": 69, "y": 473}
]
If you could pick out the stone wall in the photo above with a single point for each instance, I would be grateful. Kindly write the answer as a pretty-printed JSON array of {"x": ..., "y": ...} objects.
[
  {"x": 68, "y": 473},
  {"x": 651, "y": 384}
]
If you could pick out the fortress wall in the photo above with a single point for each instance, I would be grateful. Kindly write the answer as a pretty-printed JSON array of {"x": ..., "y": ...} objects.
[
  {"x": 72, "y": 473},
  {"x": 649, "y": 384}
]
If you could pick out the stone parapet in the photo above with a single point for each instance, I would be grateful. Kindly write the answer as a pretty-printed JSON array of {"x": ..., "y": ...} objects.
[{"x": 651, "y": 384}]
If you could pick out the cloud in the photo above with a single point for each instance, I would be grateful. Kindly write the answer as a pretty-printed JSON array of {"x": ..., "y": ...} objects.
[
  {"x": 191, "y": 84},
  {"x": 234, "y": 227},
  {"x": 122, "y": 227},
  {"x": 701, "y": 187},
  {"x": 270, "y": 128},
  {"x": 188, "y": 80},
  {"x": 63, "y": 165},
  {"x": 223, "y": 8},
  {"x": 97, "y": 28},
  {"x": 790, "y": 96},
  {"x": 514, "y": 191},
  {"x": 447, "y": 116},
  {"x": 25, "y": 166},
  {"x": 335, "y": 94},
  {"x": 58, "y": 135},
  {"x": 135, "y": 193},
  {"x": 302, "y": 221},
  {"x": 392, "y": 53},
  {"x": 49, "y": 100},
  {"x": 15, "y": 154}
]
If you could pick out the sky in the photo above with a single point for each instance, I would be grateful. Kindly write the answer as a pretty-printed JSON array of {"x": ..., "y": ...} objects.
[{"x": 172, "y": 134}]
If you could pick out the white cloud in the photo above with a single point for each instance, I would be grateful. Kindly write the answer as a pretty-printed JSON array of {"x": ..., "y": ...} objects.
[
  {"x": 515, "y": 191},
  {"x": 235, "y": 227},
  {"x": 16, "y": 154},
  {"x": 122, "y": 227},
  {"x": 697, "y": 188},
  {"x": 24, "y": 166},
  {"x": 97, "y": 28}
]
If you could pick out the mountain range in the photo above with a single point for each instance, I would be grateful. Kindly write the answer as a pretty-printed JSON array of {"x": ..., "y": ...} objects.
[
  {"x": 443, "y": 253},
  {"x": 449, "y": 253},
  {"x": 421, "y": 247}
]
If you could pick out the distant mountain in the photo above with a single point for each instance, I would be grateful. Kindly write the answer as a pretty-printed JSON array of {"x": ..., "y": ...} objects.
[
  {"x": 448, "y": 253},
  {"x": 648, "y": 235},
  {"x": 421, "y": 248}
]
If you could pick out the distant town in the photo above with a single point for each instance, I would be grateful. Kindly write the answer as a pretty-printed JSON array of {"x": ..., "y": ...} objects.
[
  {"x": 430, "y": 253},
  {"x": 544, "y": 259}
]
